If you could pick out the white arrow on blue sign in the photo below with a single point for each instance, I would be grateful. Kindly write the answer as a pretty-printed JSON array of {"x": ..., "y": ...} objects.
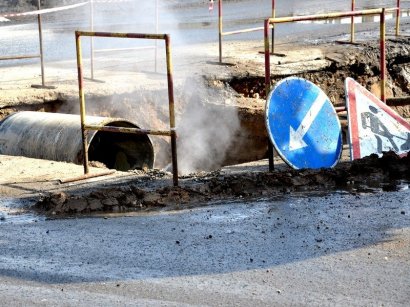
[{"x": 303, "y": 124}]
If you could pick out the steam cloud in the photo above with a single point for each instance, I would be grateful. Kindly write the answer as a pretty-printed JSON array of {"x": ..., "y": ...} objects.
[{"x": 205, "y": 128}]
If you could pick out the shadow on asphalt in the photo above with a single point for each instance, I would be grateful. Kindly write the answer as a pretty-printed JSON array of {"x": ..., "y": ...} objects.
[{"x": 223, "y": 238}]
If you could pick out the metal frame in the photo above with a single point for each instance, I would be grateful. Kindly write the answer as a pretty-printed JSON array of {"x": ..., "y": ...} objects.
[
  {"x": 92, "y": 50},
  {"x": 84, "y": 127},
  {"x": 352, "y": 24},
  {"x": 34, "y": 56},
  {"x": 38, "y": 12},
  {"x": 268, "y": 22},
  {"x": 221, "y": 33}
]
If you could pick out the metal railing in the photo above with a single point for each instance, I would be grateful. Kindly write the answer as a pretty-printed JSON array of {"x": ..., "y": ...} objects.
[
  {"x": 397, "y": 9},
  {"x": 38, "y": 12},
  {"x": 221, "y": 33},
  {"x": 84, "y": 127},
  {"x": 273, "y": 21},
  {"x": 93, "y": 50}
]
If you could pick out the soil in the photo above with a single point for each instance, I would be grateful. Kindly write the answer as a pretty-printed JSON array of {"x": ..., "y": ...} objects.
[
  {"x": 238, "y": 85},
  {"x": 367, "y": 175}
]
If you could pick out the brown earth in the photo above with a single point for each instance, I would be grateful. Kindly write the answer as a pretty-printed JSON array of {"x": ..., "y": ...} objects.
[
  {"x": 217, "y": 89},
  {"x": 361, "y": 176}
]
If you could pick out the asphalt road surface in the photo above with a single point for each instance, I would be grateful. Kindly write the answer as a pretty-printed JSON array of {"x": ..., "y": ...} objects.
[{"x": 338, "y": 249}]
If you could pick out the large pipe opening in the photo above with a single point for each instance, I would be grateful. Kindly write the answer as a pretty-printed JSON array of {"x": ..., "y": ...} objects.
[
  {"x": 57, "y": 137},
  {"x": 121, "y": 151}
]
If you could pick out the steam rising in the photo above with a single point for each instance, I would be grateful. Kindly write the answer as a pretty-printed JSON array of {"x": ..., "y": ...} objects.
[
  {"x": 205, "y": 131},
  {"x": 205, "y": 128}
]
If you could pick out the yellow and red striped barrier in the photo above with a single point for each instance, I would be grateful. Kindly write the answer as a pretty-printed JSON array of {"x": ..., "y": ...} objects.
[
  {"x": 38, "y": 12},
  {"x": 84, "y": 127},
  {"x": 273, "y": 15}
]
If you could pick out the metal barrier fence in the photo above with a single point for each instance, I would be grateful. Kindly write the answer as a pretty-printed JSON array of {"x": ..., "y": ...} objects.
[
  {"x": 268, "y": 22},
  {"x": 84, "y": 127},
  {"x": 352, "y": 22},
  {"x": 93, "y": 50},
  {"x": 221, "y": 33},
  {"x": 352, "y": 25},
  {"x": 38, "y": 12}
]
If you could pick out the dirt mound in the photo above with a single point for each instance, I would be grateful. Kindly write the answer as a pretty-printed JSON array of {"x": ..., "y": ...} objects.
[
  {"x": 368, "y": 174},
  {"x": 359, "y": 62}
]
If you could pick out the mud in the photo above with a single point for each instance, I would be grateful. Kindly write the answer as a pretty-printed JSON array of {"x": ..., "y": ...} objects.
[{"x": 367, "y": 175}]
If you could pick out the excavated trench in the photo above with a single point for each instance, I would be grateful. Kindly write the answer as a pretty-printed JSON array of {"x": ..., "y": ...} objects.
[
  {"x": 250, "y": 141},
  {"x": 363, "y": 66}
]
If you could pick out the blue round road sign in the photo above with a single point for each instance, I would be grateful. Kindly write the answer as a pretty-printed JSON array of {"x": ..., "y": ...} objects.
[{"x": 303, "y": 124}]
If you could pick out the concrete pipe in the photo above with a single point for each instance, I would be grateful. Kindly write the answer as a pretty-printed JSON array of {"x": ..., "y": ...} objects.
[{"x": 56, "y": 136}]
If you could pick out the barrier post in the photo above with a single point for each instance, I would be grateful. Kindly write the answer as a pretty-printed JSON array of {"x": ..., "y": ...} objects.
[
  {"x": 156, "y": 32},
  {"x": 383, "y": 55},
  {"x": 171, "y": 110},
  {"x": 92, "y": 38},
  {"x": 398, "y": 12},
  {"x": 82, "y": 101},
  {"x": 40, "y": 37},
  {"x": 85, "y": 127},
  {"x": 273, "y": 27},
  {"x": 352, "y": 22},
  {"x": 220, "y": 29},
  {"x": 267, "y": 85}
]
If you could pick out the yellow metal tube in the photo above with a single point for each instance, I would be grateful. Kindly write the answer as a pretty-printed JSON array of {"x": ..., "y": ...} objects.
[
  {"x": 273, "y": 26},
  {"x": 128, "y": 130},
  {"x": 220, "y": 29},
  {"x": 398, "y": 18},
  {"x": 242, "y": 31},
  {"x": 121, "y": 35},
  {"x": 82, "y": 100},
  {"x": 172, "y": 133},
  {"x": 324, "y": 16},
  {"x": 171, "y": 110},
  {"x": 352, "y": 22}
]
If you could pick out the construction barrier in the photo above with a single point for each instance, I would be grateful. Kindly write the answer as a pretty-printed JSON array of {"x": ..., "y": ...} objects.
[
  {"x": 352, "y": 21},
  {"x": 220, "y": 27},
  {"x": 273, "y": 21},
  {"x": 84, "y": 126},
  {"x": 397, "y": 9},
  {"x": 93, "y": 50},
  {"x": 37, "y": 12}
]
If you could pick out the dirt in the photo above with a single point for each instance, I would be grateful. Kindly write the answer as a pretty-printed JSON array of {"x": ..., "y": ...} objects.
[
  {"x": 361, "y": 176},
  {"x": 217, "y": 88},
  {"x": 360, "y": 62}
]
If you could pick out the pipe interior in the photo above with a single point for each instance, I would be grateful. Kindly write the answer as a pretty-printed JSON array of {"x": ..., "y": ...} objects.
[{"x": 121, "y": 151}]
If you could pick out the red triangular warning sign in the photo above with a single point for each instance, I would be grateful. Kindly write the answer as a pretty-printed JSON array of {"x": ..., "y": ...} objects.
[{"x": 374, "y": 128}]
